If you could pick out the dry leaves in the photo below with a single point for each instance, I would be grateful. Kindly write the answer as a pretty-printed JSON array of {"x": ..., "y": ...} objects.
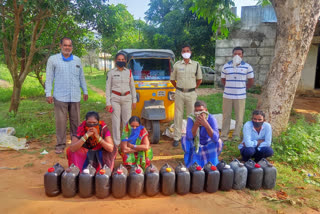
[{"x": 282, "y": 195}]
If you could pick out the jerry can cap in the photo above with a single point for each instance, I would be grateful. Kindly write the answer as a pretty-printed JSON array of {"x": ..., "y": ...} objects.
[
  {"x": 183, "y": 169},
  {"x": 102, "y": 171},
  {"x": 68, "y": 170},
  {"x": 51, "y": 169},
  {"x": 86, "y": 171},
  {"x": 257, "y": 165},
  {"x": 119, "y": 171},
  {"x": 198, "y": 168},
  {"x": 227, "y": 166},
  {"x": 168, "y": 169},
  {"x": 152, "y": 169},
  {"x": 138, "y": 171},
  {"x": 214, "y": 168}
]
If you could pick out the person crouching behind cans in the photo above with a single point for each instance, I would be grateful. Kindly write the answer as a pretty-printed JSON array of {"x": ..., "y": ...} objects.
[{"x": 120, "y": 95}]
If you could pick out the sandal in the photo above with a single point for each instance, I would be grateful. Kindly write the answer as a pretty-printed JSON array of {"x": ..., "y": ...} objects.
[{"x": 59, "y": 151}]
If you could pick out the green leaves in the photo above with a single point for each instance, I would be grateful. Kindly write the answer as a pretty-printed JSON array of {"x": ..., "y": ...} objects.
[
  {"x": 299, "y": 145},
  {"x": 216, "y": 12},
  {"x": 172, "y": 24}
]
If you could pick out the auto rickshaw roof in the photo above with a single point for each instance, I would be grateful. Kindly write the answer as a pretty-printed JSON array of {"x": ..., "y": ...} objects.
[{"x": 147, "y": 53}]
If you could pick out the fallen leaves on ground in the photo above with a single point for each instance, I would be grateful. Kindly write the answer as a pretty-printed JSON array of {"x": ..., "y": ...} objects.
[{"x": 282, "y": 195}]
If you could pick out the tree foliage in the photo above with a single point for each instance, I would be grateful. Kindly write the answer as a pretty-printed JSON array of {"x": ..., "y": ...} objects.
[
  {"x": 122, "y": 32},
  {"x": 172, "y": 24},
  {"x": 30, "y": 33},
  {"x": 217, "y": 12}
]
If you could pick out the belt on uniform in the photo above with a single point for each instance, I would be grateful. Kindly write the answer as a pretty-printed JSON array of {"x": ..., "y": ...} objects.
[
  {"x": 119, "y": 94},
  {"x": 186, "y": 89}
]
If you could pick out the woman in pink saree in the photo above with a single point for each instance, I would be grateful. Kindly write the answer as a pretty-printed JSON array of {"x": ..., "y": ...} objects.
[{"x": 92, "y": 144}]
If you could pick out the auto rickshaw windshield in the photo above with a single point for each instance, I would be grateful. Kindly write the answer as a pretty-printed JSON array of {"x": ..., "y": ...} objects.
[{"x": 150, "y": 69}]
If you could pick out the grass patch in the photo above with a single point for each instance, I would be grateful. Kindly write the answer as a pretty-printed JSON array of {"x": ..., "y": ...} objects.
[
  {"x": 30, "y": 88},
  {"x": 206, "y": 85},
  {"x": 299, "y": 146},
  {"x": 28, "y": 165},
  {"x": 95, "y": 78},
  {"x": 35, "y": 118},
  {"x": 214, "y": 104}
]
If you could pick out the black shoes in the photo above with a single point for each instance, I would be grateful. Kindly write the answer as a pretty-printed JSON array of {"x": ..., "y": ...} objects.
[{"x": 175, "y": 143}]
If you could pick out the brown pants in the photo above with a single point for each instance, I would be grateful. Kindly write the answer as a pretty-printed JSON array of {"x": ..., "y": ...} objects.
[
  {"x": 239, "y": 107},
  {"x": 61, "y": 111}
]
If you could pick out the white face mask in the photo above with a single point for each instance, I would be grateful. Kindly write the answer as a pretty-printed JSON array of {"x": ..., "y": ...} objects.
[
  {"x": 186, "y": 55},
  {"x": 236, "y": 60}
]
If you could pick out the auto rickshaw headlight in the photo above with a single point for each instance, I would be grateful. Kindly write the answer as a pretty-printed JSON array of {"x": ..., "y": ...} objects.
[
  {"x": 138, "y": 96},
  {"x": 171, "y": 95}
]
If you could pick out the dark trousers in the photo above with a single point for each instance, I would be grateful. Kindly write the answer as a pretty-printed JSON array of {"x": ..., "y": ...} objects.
[
  {"x": 251, "y": 152},
  {"x": 61, "y": 111}
]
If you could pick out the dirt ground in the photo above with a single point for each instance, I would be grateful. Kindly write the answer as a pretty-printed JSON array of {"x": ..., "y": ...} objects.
[{"x": 22, "y": 190}]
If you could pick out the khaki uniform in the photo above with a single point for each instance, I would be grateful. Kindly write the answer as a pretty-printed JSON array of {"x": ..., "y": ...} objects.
[
  {"x": 120, "y": 94},
  {"x": 186, "y": 76}
]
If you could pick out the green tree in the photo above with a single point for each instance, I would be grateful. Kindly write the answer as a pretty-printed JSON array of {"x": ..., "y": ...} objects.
[
  {"x": 30, "y": 32},
  {"x": 173, "y": 24},
  {"x": 122, "y": 30},
  {"x": 296, "y": 22}
]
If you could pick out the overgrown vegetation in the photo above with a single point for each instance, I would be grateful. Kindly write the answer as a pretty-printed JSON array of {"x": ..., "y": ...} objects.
[{"x": 299, "y": 146}]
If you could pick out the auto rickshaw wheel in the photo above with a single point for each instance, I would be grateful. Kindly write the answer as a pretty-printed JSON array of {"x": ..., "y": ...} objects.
[
  {"x": 153, "y": 127},
  {"x": 155, "y": 132}
]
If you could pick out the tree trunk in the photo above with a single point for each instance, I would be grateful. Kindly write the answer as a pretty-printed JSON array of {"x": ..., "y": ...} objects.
[
  {"x": 15, "y": 98},
  {"x": 90, "y": 62},
  {"x": 40, "y": 79},
  {"x": 295, "y": 28}
]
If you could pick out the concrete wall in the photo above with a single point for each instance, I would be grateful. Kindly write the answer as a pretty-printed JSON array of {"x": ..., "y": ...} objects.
[
  {"x": 256, "y": 34},
  {"x": 257, "y": 38}
]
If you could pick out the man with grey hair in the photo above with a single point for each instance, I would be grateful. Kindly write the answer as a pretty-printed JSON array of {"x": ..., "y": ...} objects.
[{"x": 66, "y": 71}]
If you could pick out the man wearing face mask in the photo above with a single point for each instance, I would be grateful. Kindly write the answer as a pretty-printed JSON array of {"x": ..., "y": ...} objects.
[
  {"x": 237, "y": 77},
  {"x": 66, "y": 71},
  {"x": 186, "y": 77},
  {"x": 201, "y": 143},
  {"x": 120, "y": 95},
  {"x": 257, "y": 137}
]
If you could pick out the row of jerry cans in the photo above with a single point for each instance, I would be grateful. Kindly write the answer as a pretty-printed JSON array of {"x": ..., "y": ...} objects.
[
  {"x": 252, "y": 175},
  {"x": 182, "y": 180}
]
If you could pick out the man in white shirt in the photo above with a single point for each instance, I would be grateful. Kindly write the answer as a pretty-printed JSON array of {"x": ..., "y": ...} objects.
[{"x": 237, "y": 76}]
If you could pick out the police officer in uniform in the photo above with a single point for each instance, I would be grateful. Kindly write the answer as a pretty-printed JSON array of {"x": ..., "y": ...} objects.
[
  {"x": 186, "y": 77},
  {"x": 120, "y": 95}
]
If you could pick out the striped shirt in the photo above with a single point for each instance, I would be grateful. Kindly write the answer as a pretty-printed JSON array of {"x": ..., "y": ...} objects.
[
  {"x": 68, "y": 78},
  {"x": 236, "y": 79}
]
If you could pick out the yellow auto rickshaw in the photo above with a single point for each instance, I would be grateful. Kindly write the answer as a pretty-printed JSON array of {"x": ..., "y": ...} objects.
[{"x": 151, "y": 69}]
